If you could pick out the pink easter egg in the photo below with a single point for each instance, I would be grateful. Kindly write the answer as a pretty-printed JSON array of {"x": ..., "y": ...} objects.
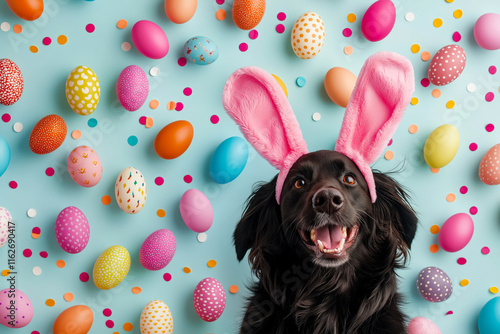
[
  {"x": 132, "y": 87},
  {"x": 15, "y": 302},
  {"x": 5, "y": 218},
  {"x": 378, "y": 20},
  {"x": 486, "y": 31},
  {"x": 84, "y": 166},
  {"x": 446, "y": 65},
  {"x": 456, "y": 232},
  {"x": 489, "y": 168},
  {"x": 72, "y": 230},
  {"x": 150, "y": 39},
  {"x": 157, "y": 250},
  {"x": 196, "y": 210},
  {"x": 421, "y": 325},
  {"x": 209, "y": 299}
]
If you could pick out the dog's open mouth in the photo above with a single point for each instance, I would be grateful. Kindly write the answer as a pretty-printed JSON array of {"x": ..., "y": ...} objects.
[{"x": 332, "y": 239}]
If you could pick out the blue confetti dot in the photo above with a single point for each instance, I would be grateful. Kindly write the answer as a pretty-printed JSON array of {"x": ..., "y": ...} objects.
[
  {"x": 301, "y": 81},
  {"x": 132, "y": 140},
  {"x": 92, "y": 122}
]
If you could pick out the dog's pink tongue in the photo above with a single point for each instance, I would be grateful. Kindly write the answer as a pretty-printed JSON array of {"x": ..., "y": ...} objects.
[{"x": 330, "y": 236}]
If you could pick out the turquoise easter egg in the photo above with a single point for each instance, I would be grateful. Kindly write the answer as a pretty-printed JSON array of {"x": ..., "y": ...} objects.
[
  {"x": 229, "y": 160},
  {"x": 4, "y": 155},
  {"x": 201, "y": 50},
  {"x": 489, "y": 317}
]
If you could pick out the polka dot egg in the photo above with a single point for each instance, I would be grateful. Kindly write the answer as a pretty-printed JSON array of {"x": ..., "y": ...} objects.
[
  {"x": 446, "y": 65},
  {"x": 83, "y": 90},
  {"x": 5, "y": 218},
  {"x": 111, "y": 267},
  {"x": 209, "y": 299},
  {"x": 11, "y": 82},
  {"x": 72, "y": 230},
  {"x": 489, "y": 168},
  {"x": 434, "y": 285},
  {"x": 156, "y": 317},
  {"x": 130, "y": 190},
  {"x": 308, "y": 35},
  {"x": 84, "y": 166},
  {"x": 23, "y": 306},
  {"x": 157, "y": 250}
]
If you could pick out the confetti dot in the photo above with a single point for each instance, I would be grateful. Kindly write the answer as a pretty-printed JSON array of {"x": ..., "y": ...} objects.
[
  {"x": 132, "y": 140},
  {"x": 492, "y": 69},
  {"x": 27, "y": 252},
  {"x": 243, "y": 47},
  {"x": 348, "y": 50},
  {"x": 471, "y": 87},
  {"x": 220, "y": 2},
  {"x": 122, "y": 24},
  {"x": 106, "y": 200},
  {"x": 142, "y": 120},
  {"x": 90, "y": 28},
  {"x": 110, "y": 324},
  {"x": 49, "y": 171},
  {"x": 212, "y": 263},
  {"x": 154, "y": 71},
  {"x": 159, "y": 181},
  {"x": 494, "y": 289},
  {"x": 351, "y": 18},
  {"x": 413, "y": 129},
  {"x": 316, "y": 117},
  {"x": 389, "y": 155},
  {"x": 436, "y": 93},
  {"x": 5, "y": 26},
  {"x": 182, "y": 61},
  {"x": 60, "y": 264},
  {"x": 46, "y": 41},
  {"x": 473, "y": 210},
  {"x": 234, "y": 289},
  {"x": 76, "y": 134},
  {"x": 188, "y": 179},
  {"x": 171, "y": 105},
  {"x": 451, "y": 197},
  {"x": 92, "y": 122},
  {"x": 13, "y": 184},
  {"x": 6, "y": 118},
  {"x": 84, "y": 277},
  {"x": 167, "y": 277},
  {"x": 434, "y": 229},
  {"x": 425, "y": 56},
  {"x": 434, "y": 248},
  {"x": 449, "y": 1},
  {"x": 44, "y": 254},
  {"x": 415, "y": 48},
  {"x": 186, "y": 270},
  {"x": 154, "y": 104},
  {"x": 149, "y": 122},
  {"x": 187, "y": 91},
  {"x": 107, "y": 312},
  {"x": 489, "y": 97},
  {"x": 456, "y": 36},
  {"x": 347, "y": 32},
  {"x": 68, "y": 296},
  {"x": 33, "y": 49},
  {"x": 37, "y": 271},
  {"x": 425, "y": 82},
  {"x": 437, "y": 23},
  {"x": 463, "y": 190},
  {"x": 202, "y": 237},
  {"x": 490, "y": 127},
  {"x": 214, "y": 119},
  {"x": 458, "y": 13},
  {"x": 35, "y": 234},
  {"x": 31, "y": 213},
  {"x": 5, "y": 272},
  {"x": 473, "y": 147},
  {"x": 17, "y": 127},
  {"x": 464, "y": 282},
  {"x": 127, "y": 327},
  {"x": 160, "y": 213},
  {"x": 485, "y": 250},
  {"x": 301, "y": 81},
  {"x": 449, "y": 312},
  {"x": 414, "y": 101},
  {"x": 450, "y": 104},
  {"x": 220, "y": 14},
  {"x": 18, "y": 29},
  {"x": 281, "y": 16},
  {"x": 280, "y": 28},
  {"x": 50, "y": 302},
  {"x": 179, "y": 106},
  {"x": 253, "y": 34},
  {"x": 136, "y": 290},
  {"x": 435, "y": 170},
  {"x": 126, "y": 46}
]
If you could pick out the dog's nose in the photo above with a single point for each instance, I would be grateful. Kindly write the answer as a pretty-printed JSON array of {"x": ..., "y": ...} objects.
[{"x": 328, "y": 200}]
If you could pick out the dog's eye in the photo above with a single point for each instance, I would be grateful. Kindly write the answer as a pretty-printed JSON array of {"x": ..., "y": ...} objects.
[
  {"x": 300, "y": 183},
  {"x": 348, "y": 179}
]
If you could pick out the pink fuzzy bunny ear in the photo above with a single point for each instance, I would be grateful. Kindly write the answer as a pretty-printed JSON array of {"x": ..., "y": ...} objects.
[
  {"x": 256, "y": 102},
  {"x": 382, "y": 93}
]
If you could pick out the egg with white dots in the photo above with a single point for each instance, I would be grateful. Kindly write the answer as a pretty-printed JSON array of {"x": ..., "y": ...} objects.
[
  {"x": 308, "y": 35},
  {"x": 156, "y": 317},
  {"x": 489, "y": 168},
  {"x": 209, "y": 299},
  {"x": 447, "y": 65},
  {"x": 157, "y": 250},
  {"x": 5, "y": 218},
  {"x": 111, "y": 267},
  {"x": 434, "y": 285},
  {"x": 130, "y": 190},
  {"x": 72, "y": 230},
  {"x": 83, "y": 90}
]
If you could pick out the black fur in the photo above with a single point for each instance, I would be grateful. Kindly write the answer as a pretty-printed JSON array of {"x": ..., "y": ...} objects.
[{"x": 300, "y": 290}]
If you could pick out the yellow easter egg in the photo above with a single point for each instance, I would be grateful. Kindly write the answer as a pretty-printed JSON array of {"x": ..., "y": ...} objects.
[
  {"x": 83, "y": 90},
  {"x": 111, "y": 267},
  {"x": 441, "y": 146},
  {"x": 156, "y": 318},
  {"x": 281, "y": 83}
]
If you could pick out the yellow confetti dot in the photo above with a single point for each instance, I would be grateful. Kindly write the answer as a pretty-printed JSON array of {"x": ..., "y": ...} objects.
[
  {"x": 348, "y": 50},
  {"x": 62, "y": 39},
  {"x": 68, "y": 296},
  {"x": 451, "y": 197},
  {"x": 414, "y": 101},
  {"x": 464, "y": 282},
  {"x": 436, "y": 93},
  {"x": 425, "y": 56},
  {"x": 33, "y": 49},
  {"x": 450, "y": 104},
  {"x": 351, "y": 18},
  {"x": 494, "y": 289},
  {"x": 171, "y": 105},
  {"x": 437, "y": 23},
  {"x": 136, "y": 290},
  {"x": 127, "y": 327},
  {"x": 5, "y": 272},
  {"x": 154, "y": 104},
  {"x": 449, "y": 1},
  {"x": 434, "y": 249},
  {"x": 415, "y": 48},
  {"x": 212, "y": 263},
  {"x": 389, "y": 155},
  {"x": 435, "y": 170},
  {"x": 50, "y": 302},
  {"x": 435, "y": 229},
  {"x": 458, "y": 13},
  {"x": 186, "y": 270},
  {"x": 234, "y": 289},
  {"x": 413, "y": 129},
  {"x": 160, "y": 213},
  {"x": 60, "y": 264},
  {"x": 106, "y": 200}
]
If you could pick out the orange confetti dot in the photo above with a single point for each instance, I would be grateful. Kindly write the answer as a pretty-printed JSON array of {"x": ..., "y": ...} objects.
[
  {"x": 451, "y": 197},
  {"x": 389, "y": 155},
  {"x": 414, "y": 101},
  {"x": 186, "y": 270},
  {"x": 149, "y": 122},
  {"x": 413, "y": 129},
  {"x": 212, "y": 263},
  {"x": 435, "y": 229},
  {"x": 62, "y": 39},
  {"x": 171, "y": 105},
  {"x": 436, "y": 93},
  {"x": 160, "y": 213},
  {"x": 68, "y": 296},
  {"x": 351, "y": 18},
  {"x": 437, "y": 23},
  {"x": 122, "y": 24},
  {"x": 18, "y": 29},
  {"x": 136, "y": 290},
  {"x": 415, "y": 48},
  {"x": 60, "y": 264},
  {"x": 154, "y": 104},
  {"x": 458, "y": 13},
  {"x": 50, "y": 302},
  {"x": 127, "y": 327},
  {"x": 450, "y": 104},
  {"x": 425, "y": 56},
  {"x": 33, "y": 49},
  {"x": 76, "y": 134},
  {"x": 35, "y": 235},
  {"x": 434, "y": 248},
  {"x": 435, "y": 170},
  {"x": 234, "y": 289},
  {"x": 348, "y": 50},
  {"x": 5, "y": 272},
  {"x": 220, "y": 14},
  {"x": 106, "y": 199}
]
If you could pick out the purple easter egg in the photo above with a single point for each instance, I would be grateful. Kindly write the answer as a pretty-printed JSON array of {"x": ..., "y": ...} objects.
[{"x": 434, "y": 285}]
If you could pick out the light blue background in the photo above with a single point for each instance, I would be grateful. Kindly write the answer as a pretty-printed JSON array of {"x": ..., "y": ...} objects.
[{"x": 45, "y": 74}]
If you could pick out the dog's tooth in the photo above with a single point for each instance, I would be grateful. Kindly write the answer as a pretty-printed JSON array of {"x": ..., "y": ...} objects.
[
  {"x": 342, "y": 243},
  {"x": 320, "y": 245},
  {"x": 313, "y": 235},
  {"x": 344, "y": 231}
]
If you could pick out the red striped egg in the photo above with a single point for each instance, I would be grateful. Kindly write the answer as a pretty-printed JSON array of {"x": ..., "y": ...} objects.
[
  {"x": 446, "y": 65},
  {"x": 48, "y": 134},
  {"x": 11, "y": 82}
]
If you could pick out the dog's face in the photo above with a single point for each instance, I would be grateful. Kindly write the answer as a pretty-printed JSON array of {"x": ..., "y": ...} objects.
[{"x": 324, "y": 201}]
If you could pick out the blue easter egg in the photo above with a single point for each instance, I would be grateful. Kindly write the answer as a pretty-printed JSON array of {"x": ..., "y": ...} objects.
[
  {"x": 489, "y": 317},
  {"x": 228, "y": 160},
  {"x": 4, "y": 155},
  {"x": 201, "y": 50}
]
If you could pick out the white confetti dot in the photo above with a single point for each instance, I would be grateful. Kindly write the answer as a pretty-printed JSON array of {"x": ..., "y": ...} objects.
[
  {"x": 409, "y": 17},
  {"x": 37, "y": 271},
  {"x": 154, "y": 71},
  {"x": 126, "y": 46},
  {"x": 202, "y": 237},
  {"x": 316, "y": 116},
  {"x": 18, "y": 127},
  {"x": 471, "y": 87},
  {"x": 31, "y": 213},
  {"x": 5, "y": 26}
]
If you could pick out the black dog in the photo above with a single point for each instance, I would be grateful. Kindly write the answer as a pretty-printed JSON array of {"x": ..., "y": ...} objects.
[{"x": 325, "y": 257}]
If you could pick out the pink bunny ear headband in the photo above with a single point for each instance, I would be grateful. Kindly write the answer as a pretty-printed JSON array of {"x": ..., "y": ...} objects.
[{"x": 256, "y": 102}]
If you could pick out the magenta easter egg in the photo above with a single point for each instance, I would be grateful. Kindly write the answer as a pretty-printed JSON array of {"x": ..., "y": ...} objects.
[
  {"x": 489, "y": 168},
  {"x": 456, "y": 232},
  {"x": 157, "y": 250},
  {"x": 132, "y": 87},
  {"x": 209, "y": 299},
  {"x": 378, "y": 20},
  {"x": 11, "y": 82},
  {"x": 486, "y": 31},
  {"x": 14, "y": 298},
  {"x": 150, "y": 39},
  {"x": 434, "y": 285},
  {"x": 72, "y": 230},
  {"x": 421, "y": 325},
  {"x": 446, "y": 65},
  {"x": 196, "y": 210},
  {"x": 84, "y": 166}
]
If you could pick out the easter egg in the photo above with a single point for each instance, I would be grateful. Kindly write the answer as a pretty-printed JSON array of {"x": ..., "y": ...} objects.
[
  {"x": 76, "y": 319},
  {"x": 248, "y": 13},
  {"x": 489, "y": 168},
  {"x": 174, "y": 139},
  {"x": 16, "y": 310},
  {"x": 308, "y": 35},
  {"x": 201, "y": 50},
  {"x": 339, "y": 84},
  {"x": 5, "y": 218},
  {"x": 441, "y": 146},
  {"x": 150, "y": 39},
  {"x": 489, "y": 317},
  {"x": 281, "y": 83},
  {"x": 28, "y": 10},
  {"x": 486, "y": 31},
  {"x": 72, "y": 230},
  {"x": 84, "y": 166},
  {"x": 48, "y": 134},
  {"x": 157, "y": 250},
  {"x": 456, "y": 232},
  {"x": 4, "y": 155},
  {"x": 132, "y": 87},
  {"x": 111, "y": 267},
  {"x": 229, "y": 160},
  {"x": 196, "y": 210},
  {"x": 434, "y": 285},
  {"x": 11, "y": 82},
  {"x": 378, "y": 20},
  {"x": 180, "y": 11},
  {"x": 209, "y": 299},
  {"x": 130, "y": 190},
  {"x": 446, "y": 65},
  {"x": 83, "y": 90},
  {"x": 421, "y": 325},
  {"x": 156, "y": 318}
]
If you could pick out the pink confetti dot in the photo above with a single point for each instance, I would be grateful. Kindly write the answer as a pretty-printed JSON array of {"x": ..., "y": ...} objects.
[
  {"x": 6, "y": 118},
  {"x": 182, "y": 61},
  {"x": 456, "y": 36},
  {"x": 46, "y": 41},
  {"x": 347, "y": 32},
  {"x": 214, "y": 119},
  {"x": 44, "y": 254},
  {"x": 107, "y": 312},
  {"x": 13, "y": 184},
  {"x": 49, "y": 171},
  {"x": 35, "y": 332},
  {"x": 90, "y": 28},
  {"x": 390, "y": 142},
  {"x": 473, "y": 210},
  {"x": 449, "y": 312},
  {"x": 84, "y": 277},
  {"x": 489, "y": 97},
  {"x": 167, "y": 277},
  {"x": 27, "y": 252},
  {"x": 473, "y": 147},
  {"x": 188, "y": 179},
  {"x": 253, "y": 34},
  {"x": 220, "y": 2},
  {"x": 110, "y": 324},
  {"x": 243, "y": 47},
  {"x": 425, "y": 82},
  {"x": 464, "y": 190},
  {"x": 187, "y": 91},
  {"x": 179, "y": 106},
  {"x": 142, "y": 120},
  {"x": 159, "y": 181},
  {"x": 492, "y": 69},
  {"x": 36, "y": 230},
  {"x": 490, "y": 127},
  {"x": 281, "y": 16},
  {"x": 280, "y": 29},
  {"x": 485, "y": 250},
  {"x": 461, "y": 261}
]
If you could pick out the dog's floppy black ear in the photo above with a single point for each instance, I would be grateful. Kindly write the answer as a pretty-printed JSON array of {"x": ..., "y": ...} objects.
[{"x": 393, "y": 206}]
